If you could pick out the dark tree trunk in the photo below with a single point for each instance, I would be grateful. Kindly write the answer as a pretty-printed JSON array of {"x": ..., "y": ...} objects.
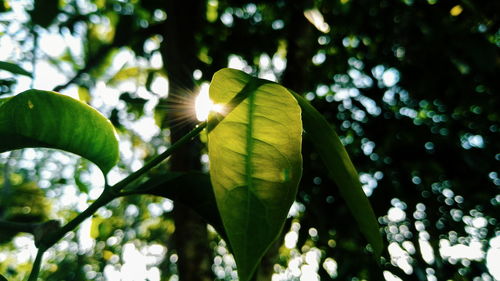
[
  {"x": 299, "y": 51},
  {"x": 179, "y": 54}
]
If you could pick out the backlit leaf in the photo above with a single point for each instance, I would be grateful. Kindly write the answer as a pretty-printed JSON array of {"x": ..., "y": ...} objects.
[
  {"x": 47, "y": 119},
  {"x": 342, "y": 171},
  {"x": 94, "y": 226},
  {"x": 255, "y": 162},
  {"x": 123, "y": 74}
]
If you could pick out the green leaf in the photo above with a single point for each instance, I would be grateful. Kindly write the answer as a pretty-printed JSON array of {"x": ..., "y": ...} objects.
[
  {"x": 342, "y": 171},
  {"x": 14, "y": 68},
  {"x": 255, "y": 162},
  {"x": 4, "y": 7},
  {"x": 47, "y": 119},
  {"x": 94, "y": 225},
  {"x": 192, "y": 189},
  {"x": 81, "y": 167},
  {"x": 2, "y": 278},
  {"x": 123, "y": 74}
]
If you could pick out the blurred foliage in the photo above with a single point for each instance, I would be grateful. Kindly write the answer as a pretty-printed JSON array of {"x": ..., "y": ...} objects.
[
  {"x": 22, "y": 202},
  {"x": 410, "y": 86}
]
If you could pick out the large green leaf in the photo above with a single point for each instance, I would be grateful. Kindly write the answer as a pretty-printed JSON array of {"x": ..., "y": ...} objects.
[
  {"x": 255, "y": 162},
  {"x": 47, "y": 119},
  {"x": 342, "y": 171},
  {"x": 14, "y": 68}
]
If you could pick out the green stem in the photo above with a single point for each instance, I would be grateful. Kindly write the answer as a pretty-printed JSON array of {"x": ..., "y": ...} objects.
[
  {"x": 114, "y": 191},
  {"x": 103, "y": 199},
  {"x": 37, "y": 264},
  {"x": 158, "y": 159}
]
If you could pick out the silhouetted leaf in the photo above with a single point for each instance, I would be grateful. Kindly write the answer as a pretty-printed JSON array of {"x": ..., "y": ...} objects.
[
  {"x": 192, "y": 189},
  {"x": 22, "y": 203},
  {"x": 255, "y": 163},
  {"x": 14, "y": 68},
  {"x": 342, "y": 171},
  {"x": 47, "y": 119}
]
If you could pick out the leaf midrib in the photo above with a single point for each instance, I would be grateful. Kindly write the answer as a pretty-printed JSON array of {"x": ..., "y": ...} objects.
[
  {"x": 249, "y": 140},
  {"x": 248, "y": 161}
]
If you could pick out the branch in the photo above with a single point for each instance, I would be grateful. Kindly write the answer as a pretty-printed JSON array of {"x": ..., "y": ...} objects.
[
  {"x": 92, "y": 62},
  {"x": 50, "y": 238},
  {"x": 36, "y": 265},
  {"x": 102, "y": 52},
  {"x": 158, "y": 159}
]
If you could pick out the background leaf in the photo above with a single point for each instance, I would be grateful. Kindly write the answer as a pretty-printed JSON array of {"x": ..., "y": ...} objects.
[
  {"x": 47, "y": 119},
  {"x": 16, "y": 199},
  {"x": 14, "y": 68},
  {"x": 342, "y": 171},
  {"x": 255, "y": 164},
  {"x": 192, "y": 189}
]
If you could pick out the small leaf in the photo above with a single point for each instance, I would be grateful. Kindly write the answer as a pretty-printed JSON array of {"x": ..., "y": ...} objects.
[
  {"x": 342, "y": 171},
  {"x": 84, "y": 95},
  {"x": 47, "y": 119},
  {"x": 14, "y": 68},
  {"x": 255, "y": 162},
  {"x": 81, "y": 167},
  {"x": 94, "y": 226},
  {"x": 124, "y": 74}
]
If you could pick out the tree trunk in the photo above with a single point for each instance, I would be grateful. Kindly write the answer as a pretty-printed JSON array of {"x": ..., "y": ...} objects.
[
  {"x": 299, "y": 54},
  {"x": 299, "y": 51},
  {"x": 179, "y": 54}
]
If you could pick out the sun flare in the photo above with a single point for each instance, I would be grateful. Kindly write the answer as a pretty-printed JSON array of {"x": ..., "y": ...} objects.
[{"x": 203, "y": 104}]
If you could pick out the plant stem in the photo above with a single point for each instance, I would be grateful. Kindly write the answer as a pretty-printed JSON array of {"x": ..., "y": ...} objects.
[
  {"x": 91, "y": 63},
  {"x": 106, "y": 196},
  {"x": 113, "y": 192},
  {"x": 37, "y": 264},
  {"x": 103, "y": 199},
  {"x": 158, "y": 159}
]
